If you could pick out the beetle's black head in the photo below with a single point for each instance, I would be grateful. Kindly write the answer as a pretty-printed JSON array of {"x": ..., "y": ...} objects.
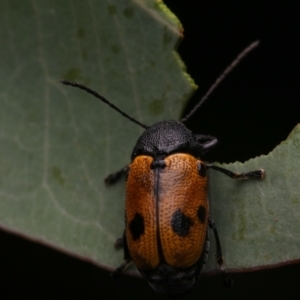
[{"x": 167, "y": 137}]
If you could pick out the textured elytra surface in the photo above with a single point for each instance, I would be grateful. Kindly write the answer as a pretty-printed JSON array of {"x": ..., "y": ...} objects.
[
  {"x": 182, "y": 193},
  {"x": 59, "y": 143},
  {"x": 162, "y": 206},
  {"x": 140, "y": 200}
]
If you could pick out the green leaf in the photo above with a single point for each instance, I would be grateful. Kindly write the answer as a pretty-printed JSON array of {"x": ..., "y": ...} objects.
[
  {"x": 258, "y": 220},
  {"x": 59, "y": 143}
]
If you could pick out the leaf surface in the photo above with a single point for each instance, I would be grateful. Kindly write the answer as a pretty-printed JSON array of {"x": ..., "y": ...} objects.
[
  {"x": 59, "y": 143},
  {"x": 259, "y": 220}
]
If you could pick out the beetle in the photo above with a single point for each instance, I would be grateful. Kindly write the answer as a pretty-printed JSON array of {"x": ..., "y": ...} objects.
[{"x": 167, "y": 211}]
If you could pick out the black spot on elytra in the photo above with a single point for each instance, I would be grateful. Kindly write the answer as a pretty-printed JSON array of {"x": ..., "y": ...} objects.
[
  {"x": 201, "y": 213},
  {"x": 202, "y": 170},
  {"x": 181, "y": 223},
  {"x": 137, "y": 226}
]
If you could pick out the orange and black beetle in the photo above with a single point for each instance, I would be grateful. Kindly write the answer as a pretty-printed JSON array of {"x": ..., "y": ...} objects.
[{"x": 167, "y": 211}]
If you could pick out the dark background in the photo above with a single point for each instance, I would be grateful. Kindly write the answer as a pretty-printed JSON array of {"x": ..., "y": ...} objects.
[
  {"x": 258, "y": 105},
  {"x": 250, "y": 113}
]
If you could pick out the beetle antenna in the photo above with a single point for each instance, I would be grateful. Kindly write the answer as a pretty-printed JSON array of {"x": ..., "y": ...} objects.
[
  {"x": 78, "y": 85},
  {"x": 230, "y": 68}
]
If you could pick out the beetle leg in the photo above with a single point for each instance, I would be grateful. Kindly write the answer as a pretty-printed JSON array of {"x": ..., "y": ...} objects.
[
  {"x": 227, "y": 281},
  {"x": 119, "y": 243},
  {"x": 122, "y": 243},
  {"x": 114, "y": 177},
  {"x": 116, "y": 273},
  {"x": 256, "y": 174}
]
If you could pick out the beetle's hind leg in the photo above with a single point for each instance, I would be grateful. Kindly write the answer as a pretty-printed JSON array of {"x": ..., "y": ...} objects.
[
  {"x": 114, "y": 177},
  {"x": 122, "y": 243},
  {"x": 256, "y": 174},
  {"x": 116, "y": 273},
  {"x": 227, "y": 281}
]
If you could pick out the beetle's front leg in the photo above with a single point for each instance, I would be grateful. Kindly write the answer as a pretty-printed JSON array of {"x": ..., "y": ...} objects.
[
  {"x": 256, "y": 174},
  {"x": 114, "y": 177}
]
